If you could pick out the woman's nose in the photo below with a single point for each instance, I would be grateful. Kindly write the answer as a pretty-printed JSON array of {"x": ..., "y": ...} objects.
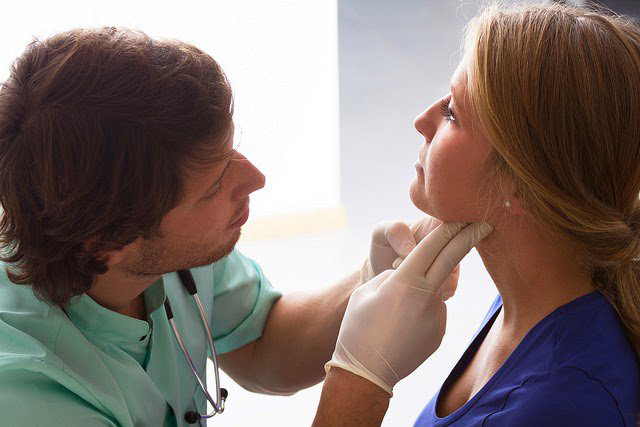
[
  {"x": 426, "y": 123},
  {"x": 421, "y": 123}
]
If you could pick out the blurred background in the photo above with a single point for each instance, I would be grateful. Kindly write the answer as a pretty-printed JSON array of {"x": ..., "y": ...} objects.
[{"x": 325, "y": 96}]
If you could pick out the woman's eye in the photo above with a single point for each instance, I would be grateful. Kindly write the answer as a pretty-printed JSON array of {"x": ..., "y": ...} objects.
[{"x": 445, "y": 109}]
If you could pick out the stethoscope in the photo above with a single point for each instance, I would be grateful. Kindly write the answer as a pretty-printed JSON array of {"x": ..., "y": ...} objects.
[{"x": 192, "y": 417}]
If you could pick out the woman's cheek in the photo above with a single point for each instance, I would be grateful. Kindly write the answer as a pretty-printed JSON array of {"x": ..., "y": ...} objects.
[
  {"x": 442, "y": 180},
  {"x": 418, "y": 195}
]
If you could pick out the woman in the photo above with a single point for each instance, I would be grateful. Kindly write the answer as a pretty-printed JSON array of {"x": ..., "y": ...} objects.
[{"x": 540, "y": 137}]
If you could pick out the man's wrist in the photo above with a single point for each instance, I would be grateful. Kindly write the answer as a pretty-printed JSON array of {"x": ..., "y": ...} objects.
[
  {"x": 343, "y": 380},
  {"x": 348, "y": 399}
]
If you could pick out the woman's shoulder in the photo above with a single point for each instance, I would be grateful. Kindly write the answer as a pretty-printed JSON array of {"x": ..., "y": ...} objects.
[
  {"x": 575, "y": 367},
  {"x": 565, "y": 396},
  {"x": 589, "y": 360},
  {"x": 588, "y": 334}
]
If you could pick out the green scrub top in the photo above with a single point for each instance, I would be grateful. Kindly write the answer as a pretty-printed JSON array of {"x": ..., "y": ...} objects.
[{"x": 95, "y": 367}]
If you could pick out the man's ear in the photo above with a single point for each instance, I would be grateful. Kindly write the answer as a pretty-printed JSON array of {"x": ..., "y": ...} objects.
[
  {"x": 113, "y": 257},
  {"x": 110, "y": 257}
]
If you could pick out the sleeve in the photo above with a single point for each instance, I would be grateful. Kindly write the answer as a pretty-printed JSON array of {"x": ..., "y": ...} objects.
[
  {"x": 566, "y": 396},
  {"x": 243, "y": 298},
  {"x": 33, "y": 399}
]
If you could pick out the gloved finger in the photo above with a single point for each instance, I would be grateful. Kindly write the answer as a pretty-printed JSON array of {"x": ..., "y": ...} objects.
[
  {"x": 396, "y": 234},
  {"x": 418, "y": 262},
  {"x": 397, "y": 262},
  {"x": 442, "y": 326},
  {"x": 450, "y": 284},
  {"x": 372, "y": 284},
  {"x": 453, "y": 252},
  {"x": 381, "y": 253},
  {"x": 421, "y": 228},
  {"x": 401, "y": 238}
]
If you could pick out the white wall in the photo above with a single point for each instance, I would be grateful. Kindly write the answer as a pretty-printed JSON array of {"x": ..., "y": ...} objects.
[{"x": 280, "y": 55}]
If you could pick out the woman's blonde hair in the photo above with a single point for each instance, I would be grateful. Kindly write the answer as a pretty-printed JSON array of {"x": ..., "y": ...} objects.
[{"x": 556, "y": 89}]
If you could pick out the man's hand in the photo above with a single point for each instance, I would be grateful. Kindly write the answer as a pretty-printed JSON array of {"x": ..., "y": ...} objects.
[
  {"x": 397, "y": 320},
  {"x": 392, "y": 241}
]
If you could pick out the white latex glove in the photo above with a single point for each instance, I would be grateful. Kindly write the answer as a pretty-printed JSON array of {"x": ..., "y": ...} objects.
[
  {"x": 395, "y": 321},
  {"x": 392, "y": 241}
]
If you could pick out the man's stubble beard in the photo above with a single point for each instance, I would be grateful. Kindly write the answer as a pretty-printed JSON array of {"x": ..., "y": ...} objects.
[{"x": 155, "y": 260}]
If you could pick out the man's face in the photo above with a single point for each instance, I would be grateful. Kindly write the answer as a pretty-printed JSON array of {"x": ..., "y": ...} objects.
[{"x": 205, "y": 226}]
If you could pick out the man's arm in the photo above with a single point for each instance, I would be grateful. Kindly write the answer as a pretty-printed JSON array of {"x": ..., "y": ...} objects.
[
  {"x": 350, "y": 400},
  {"x": 298, "y": 339}
]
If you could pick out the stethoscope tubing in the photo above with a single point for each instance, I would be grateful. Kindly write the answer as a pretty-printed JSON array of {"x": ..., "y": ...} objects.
[{"x": 218, "y": 405}]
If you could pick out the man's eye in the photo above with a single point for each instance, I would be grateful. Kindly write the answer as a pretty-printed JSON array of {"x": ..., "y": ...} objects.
[{"x": 214, "y": 192}]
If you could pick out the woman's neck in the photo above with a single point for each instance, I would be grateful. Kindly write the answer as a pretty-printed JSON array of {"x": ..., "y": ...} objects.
[{"x": 533, "y": 271}]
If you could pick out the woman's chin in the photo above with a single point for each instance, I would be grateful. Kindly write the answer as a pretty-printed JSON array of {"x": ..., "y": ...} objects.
[
  {"x": 434, "y": 208},
  {"x": 420, "y": 201}
]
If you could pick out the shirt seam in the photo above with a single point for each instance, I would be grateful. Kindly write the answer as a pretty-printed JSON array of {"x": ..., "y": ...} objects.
[
  {"x": 603, "y": 387},
  {"x": 250, "y": 315},
  {"x": 504, "y": 404},
  {"x": 62, "y": 369},
  {"x": 55, "y": 339}
]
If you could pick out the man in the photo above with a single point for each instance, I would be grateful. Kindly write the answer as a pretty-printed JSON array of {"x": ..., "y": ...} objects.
[{"x": 117, "y": 169}]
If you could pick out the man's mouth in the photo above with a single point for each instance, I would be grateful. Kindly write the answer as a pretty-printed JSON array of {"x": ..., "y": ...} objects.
[{"x": 241, "y": 217}]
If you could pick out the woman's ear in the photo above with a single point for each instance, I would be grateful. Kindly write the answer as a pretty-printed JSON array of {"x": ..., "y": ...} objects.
[{"x": 513, "y": 203}]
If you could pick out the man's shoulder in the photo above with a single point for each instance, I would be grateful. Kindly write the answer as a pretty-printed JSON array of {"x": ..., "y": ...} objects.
[
  {"x": 49, "y": 399},
  {"x": 20, "y": 309},
  {"x": 235, "y": 269},
  {"x": 29, "y": 328}
]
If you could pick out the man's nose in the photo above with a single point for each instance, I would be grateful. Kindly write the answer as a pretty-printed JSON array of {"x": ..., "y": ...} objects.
[{"x": 249, "y": 177}]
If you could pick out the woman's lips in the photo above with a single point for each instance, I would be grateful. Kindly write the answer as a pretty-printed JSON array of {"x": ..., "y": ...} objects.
[{"x": 419, "y": 170}]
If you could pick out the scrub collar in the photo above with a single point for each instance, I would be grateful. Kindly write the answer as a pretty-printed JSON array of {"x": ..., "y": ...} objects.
[{"x": 111, "y": 326}]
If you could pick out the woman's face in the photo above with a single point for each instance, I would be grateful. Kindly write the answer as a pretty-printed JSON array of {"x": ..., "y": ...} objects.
[{"x": 451, "y": 161}]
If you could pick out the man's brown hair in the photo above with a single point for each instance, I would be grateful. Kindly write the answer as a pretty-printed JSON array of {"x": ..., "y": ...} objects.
[{"x": 96, "y": 129}]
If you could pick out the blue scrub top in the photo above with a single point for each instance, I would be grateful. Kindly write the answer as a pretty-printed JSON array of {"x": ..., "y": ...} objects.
[
  {"x": 96, "y": 367},
  {"x": 576, "y": 367}
]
